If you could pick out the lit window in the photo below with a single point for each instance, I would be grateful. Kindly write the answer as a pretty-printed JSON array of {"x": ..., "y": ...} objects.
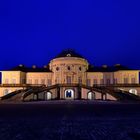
[{"x": 68, "y": 55}]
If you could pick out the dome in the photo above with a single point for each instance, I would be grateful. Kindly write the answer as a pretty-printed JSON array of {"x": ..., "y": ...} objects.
[{"x": 69, "y": 53}]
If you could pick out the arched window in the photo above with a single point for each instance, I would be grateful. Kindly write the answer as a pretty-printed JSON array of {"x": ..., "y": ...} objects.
[
  {"x": 6, "y": 91},
  {"x": 48, "y": 95},
  {"x": 91, "y": 96},
  {"x": 69, "y": 68}
]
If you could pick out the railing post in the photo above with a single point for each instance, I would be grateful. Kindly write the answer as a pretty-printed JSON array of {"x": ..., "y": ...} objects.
[{"x": 58, "y": 92}]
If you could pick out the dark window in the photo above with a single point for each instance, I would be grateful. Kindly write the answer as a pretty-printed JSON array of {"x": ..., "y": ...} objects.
[
  {"x": 23, "y": 81},
  {"x": 88, "y": 82},
  {"x": 57, "y": 68},
  {"x": 108, "y": 81},
  {"x": 115, "y": 81},
  {"x": 68, "y": 79},
  {"x": 80, "y": 80},
  {"x": 95, "y": 81},
  {"x": 125, "y": 80},
  {"x": 68, "y": 67},
  {"x": 102, "y": 81}
]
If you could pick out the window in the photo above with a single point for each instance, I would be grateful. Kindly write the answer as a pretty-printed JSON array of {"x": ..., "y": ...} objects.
[
  {"x": 68, "y": 55},
  {"x": 36, "y": 81},
  {"x": 133, "y": 91},
  {"x": 43, "y": 81},
  {"x": 80, "y": 80},
  {"x": 133, "y": 80},
  {"x": 102, "y": 81},
  {"x": 125, "y": 80},
  {"x": 69, "y": 68},
  {"x": 30, "y": 81},
  {"x": 115, "y": 81},
  {"x": 13, "y": 81},
  {"x": 108, "y": 81},
  {"x": 49, "y": 82},
  {"x": 6, "y": 81},
  {"x": 6, "y": 91},
  {"x": 57, "y": 68},
  {"x": 57, "y": 80},
  {"x": 23, "y": 81},
  {"x": 68, "y": 79},
  {"x": 88, "y": 82},
  {"x": 95, "y": 81}
]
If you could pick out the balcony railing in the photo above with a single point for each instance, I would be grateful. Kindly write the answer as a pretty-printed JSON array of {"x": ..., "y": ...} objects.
[
  {"x": 72, "y": 84},
  {"x": 21, "y": 85}
]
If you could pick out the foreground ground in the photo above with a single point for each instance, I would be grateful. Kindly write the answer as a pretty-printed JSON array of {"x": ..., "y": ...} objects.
[{"x": 78, "y": 120}]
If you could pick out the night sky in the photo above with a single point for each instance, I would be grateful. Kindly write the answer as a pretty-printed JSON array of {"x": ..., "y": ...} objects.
[{"x": 103, "y": 31}]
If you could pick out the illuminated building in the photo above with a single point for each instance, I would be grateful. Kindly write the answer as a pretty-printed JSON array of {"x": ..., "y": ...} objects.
[{"x": 69, "y": 76}]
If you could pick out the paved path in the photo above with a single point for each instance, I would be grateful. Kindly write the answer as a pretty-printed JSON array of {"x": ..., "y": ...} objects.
[{"x": 67, "y": 120}]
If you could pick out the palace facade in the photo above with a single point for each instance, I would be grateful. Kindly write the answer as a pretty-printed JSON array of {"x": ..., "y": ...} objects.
[{"x": 69, "y": 76}]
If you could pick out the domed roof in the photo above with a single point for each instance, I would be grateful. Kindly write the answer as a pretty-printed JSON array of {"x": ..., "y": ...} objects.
[{"x": 69, "y": 53}]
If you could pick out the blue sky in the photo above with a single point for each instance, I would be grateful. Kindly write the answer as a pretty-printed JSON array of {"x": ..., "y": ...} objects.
[{"x": 35, "y": 31}]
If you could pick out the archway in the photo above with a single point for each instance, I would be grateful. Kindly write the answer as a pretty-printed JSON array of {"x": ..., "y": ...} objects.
[
  {"x": 69, "y": 94},
  {"x": 7, "y": 91},
  {"x": 91, "y": 96},
  {"x": 48, "y": 95}
]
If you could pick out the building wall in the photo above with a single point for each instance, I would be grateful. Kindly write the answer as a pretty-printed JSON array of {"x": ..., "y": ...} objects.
[
  {"x": 127, "y": 77},
  {"x": 94, "y": 78},
  {"x": 69, "y": 70},
  {"x": 13, "y": 77},
  {"x": 7, "y": 90},
  {"x": 42, "y": 78},
  {"x": 60, "y": 76}
]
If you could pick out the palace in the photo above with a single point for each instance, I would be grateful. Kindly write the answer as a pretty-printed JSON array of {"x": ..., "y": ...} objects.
[{"x": 69, "y": 76}]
